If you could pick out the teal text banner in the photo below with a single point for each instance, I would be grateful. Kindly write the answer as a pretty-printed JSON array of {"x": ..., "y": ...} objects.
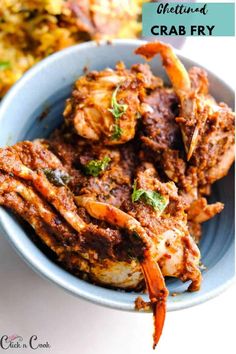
[{"x": 188, "y": 19}]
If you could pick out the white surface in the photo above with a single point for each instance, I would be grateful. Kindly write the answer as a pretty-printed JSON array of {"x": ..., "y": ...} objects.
[{"x": 30, "y": 305}]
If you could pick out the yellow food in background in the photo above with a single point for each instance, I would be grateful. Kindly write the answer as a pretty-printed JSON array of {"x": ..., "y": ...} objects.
[{"x": 30, "y": 30}]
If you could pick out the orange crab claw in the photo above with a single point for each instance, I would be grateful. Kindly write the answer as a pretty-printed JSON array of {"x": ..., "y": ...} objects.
[
  {"x": 153, "y": 277},
  {"x": 175, "y": 69},
  {"x": 181, "y": 82},
  {"x": 158, "y": 294}
]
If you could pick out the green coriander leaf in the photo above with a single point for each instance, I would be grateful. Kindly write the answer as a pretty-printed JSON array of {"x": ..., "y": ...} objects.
[
  {"x": 117, "y": 132},
  {"x": 95, "y": 167},
  {"x": 117, "y": 109},
  {"x": 57, "y": 177},
  {"x": 137, "y": 193},
  {"x": 155, "y": 199},
  {"x": 4, "y": 65}
]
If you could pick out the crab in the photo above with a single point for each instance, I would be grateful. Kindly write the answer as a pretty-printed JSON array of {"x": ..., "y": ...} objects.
[{"x": 207, "y": 126}]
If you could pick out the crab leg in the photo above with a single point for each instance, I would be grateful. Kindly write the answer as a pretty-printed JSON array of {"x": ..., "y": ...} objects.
[
  {"x": 192, "y": 108},
  {"x": 158, "y": 294},
  {"x": 30, "y": 196},
  {"x": 154, "y": 279},
  {"x": 176, "y": 71},
  {"x": 200, "y": 211},
  {"x": 13, "y": 201},
  {"x": 40, "y": 207},
  {"x": 60, "y": 197}
]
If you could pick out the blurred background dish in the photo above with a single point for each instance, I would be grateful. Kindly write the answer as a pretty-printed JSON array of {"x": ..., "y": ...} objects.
[{"x": 31, "y": 30}]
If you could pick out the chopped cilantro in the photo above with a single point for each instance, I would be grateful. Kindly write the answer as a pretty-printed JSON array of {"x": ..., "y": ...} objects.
[
  {"x": 95, "y": 167},
  {"x": 117, "y": 111},
  {"x": 117, "y": 132},
  {"x": 155, "y": 199}
]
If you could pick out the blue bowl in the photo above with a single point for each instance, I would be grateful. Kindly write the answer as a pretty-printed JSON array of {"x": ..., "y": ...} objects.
[{"x": 45, "y": 87}]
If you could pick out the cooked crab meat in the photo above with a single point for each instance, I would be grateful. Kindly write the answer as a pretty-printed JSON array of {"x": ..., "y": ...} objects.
[
  {"x": 165, "y": 236},
  {"x": 61, "y": 198},
  {"x": 159, "y": 129},
  {"x": 200, "y": 211},
  {"x": 192, "y": 113},
  {"x": 175, "y": 246},
  {"x": 94, "y": 244},
  {"x": 151, "y": 271},
  {"x": 207, "y": 127},
  {"x": 90, "y": 252},
  {"x": 98, "y": 250},
  {"x": 169, "y": 264},
  {"x": 114, "y": 186},
  {"x": 106, "y": 105},
  {"x": 207, "y": 131},
  {"x": 168, "y": 228}
]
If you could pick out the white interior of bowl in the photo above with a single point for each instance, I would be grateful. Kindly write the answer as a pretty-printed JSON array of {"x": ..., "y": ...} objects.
[{"x": 45, "y": 87}]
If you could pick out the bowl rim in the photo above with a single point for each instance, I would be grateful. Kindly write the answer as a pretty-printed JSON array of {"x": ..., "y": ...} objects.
[{"x": 30, "y": 258}]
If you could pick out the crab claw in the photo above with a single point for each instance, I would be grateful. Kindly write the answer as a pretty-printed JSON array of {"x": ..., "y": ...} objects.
[
  {"x": 176, "y": 71},
  {"x": 59, "y": 197},
  {"x": 158, "y": 294},
  {"x": 192, "y": 112},
  {"x": 152, "y": 274}
]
